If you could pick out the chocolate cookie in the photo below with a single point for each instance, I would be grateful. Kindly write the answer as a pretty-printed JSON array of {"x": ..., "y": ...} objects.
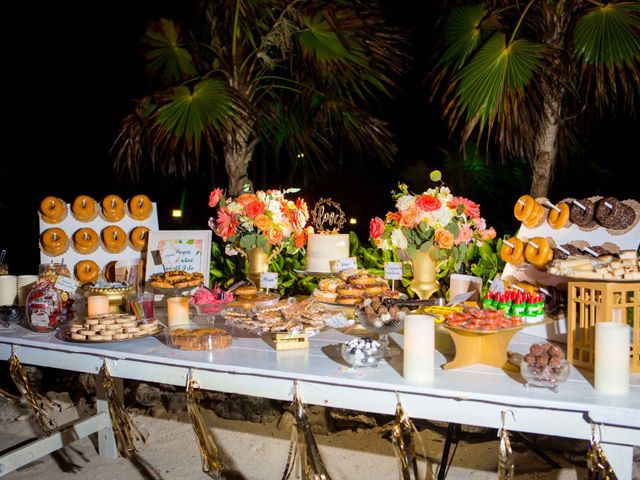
[{"x": 583, "y": 217}]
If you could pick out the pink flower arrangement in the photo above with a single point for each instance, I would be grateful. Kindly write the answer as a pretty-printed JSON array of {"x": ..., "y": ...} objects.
[
  {"x": 434, "y": 218},
  {"x": 262, "y": 219}
]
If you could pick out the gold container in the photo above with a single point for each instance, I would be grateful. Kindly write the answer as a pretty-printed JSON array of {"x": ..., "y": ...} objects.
[
  {"x": 424, "y": 282},
  {"x": 258, "y": 263},
  {"x": 117, "y": 296}
]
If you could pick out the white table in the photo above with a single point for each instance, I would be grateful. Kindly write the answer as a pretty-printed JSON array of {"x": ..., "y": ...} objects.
[{"x": 474, "y": 395}]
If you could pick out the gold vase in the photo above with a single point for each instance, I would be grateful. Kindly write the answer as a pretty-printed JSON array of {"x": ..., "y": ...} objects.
[
  {"x": 424, "y": 282},
  {"x": 258, "y": 263}
]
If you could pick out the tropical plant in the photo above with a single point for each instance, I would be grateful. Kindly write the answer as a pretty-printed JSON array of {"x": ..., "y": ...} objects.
[
  {"x": 271, "y": 77},
  {"x": 520, "y": 73}
]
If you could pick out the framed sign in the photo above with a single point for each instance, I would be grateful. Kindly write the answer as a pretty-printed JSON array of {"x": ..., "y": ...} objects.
[{"x": 188, "y": 250}]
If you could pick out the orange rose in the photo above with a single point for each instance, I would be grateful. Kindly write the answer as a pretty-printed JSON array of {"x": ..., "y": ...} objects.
[
  {"x": 410, "y": 217},
  {"x": 262, "y": 222},
  {"x": 391, "y": 216},
  {"x": 444, "y": 238},
  {"x": 246, "y": 198},
  {"x": 274, "y": 236},
  {"x": 255, "y": 208},
  {"x": 300, "y": 238},
  {"x": 487, "y": 234}
]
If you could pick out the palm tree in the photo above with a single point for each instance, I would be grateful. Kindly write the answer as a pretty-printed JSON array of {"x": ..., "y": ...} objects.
[
  {"x": 520, "y": 74},
  {"x": 287, "y": 79}
]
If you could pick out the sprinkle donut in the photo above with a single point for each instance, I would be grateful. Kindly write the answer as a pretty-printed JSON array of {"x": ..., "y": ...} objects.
[
  {"x": 583, "y": 217},
  {"x": 53, "y": 210},
  {"x": 140, "y": 207},
  {"x": 114, "y": 239},
  {"x": 84, "y": 208},
  {"x": 54, "y": 241},
  {"x": 85, "y": 240},
  {"x": 112, "y": 208}
]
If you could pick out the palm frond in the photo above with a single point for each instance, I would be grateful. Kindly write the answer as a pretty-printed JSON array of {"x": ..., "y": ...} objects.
[
  {"x": 166, "y": 58},
  {"x": 462, "y": 34}
]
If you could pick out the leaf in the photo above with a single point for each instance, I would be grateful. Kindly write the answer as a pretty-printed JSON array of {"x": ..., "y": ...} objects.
[
  {"x": 248, "y": 242},
  {"x": 607, "y": 36},
  {"x": 321, "y": 42},
  {"x": 166, "y": 57},
  {"x": 462, "y": 35}
]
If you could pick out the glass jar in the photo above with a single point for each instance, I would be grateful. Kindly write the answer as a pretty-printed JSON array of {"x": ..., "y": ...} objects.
[
  {"x": 50, "y": 272},
  {"x": 44, "y": 307}
]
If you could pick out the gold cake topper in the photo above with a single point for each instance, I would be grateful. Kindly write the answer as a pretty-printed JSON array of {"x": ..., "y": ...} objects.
[{"x": 327, "y": 216}]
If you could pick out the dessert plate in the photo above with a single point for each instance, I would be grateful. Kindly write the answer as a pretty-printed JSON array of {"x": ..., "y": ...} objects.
[{"x": 64, "y": 334}]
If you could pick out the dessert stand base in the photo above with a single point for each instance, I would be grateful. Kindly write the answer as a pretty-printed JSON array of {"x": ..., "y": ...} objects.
[{"x": 488, "y": 348}]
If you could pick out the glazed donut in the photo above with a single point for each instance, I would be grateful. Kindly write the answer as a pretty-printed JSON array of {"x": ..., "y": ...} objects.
[
  {"x": 513, "y": 255},
  {"x": 84, "y": 208},
  {"x": 536, "y": 218},
  {"x": 114, "y": 239},
  {"x": 140, "y": 207},
  {"x": 362, "y": 279},
  {"x": 85, "y": 240},
  {"x": 558, "y": 219},
  {"x": 523, "y": 207},
  {"x": 139, "y": 237},
  {"x": 246, "y": 291},
  {"x": 54, "y": 241},
  {"x": 346, "y": 290},
  {"x": 538, "y": 252},
  {"x": 112, "y": 208},
  {"x": 376, "y": 289},
  {"x": 328, "y": 284},
  {"x": 53, "y": 210},
  {"x": 348, "y": 299},
  {"x": 582, "y": 217},
  {"x": 324, "y": 296},
  {"x": 87, "y": 271}
]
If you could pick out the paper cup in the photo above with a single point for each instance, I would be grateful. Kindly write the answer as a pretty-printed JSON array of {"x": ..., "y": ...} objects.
[
  {"x": 25, "y": 284},
  {"x": 8, "y": 289},
  {"x": 459, "y": 283}
]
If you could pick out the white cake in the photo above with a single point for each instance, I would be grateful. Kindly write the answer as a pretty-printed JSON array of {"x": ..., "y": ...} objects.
[{"x": 323, "y": 248}]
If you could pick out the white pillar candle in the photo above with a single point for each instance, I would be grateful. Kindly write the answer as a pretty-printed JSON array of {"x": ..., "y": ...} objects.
[
  {"x": 177, "y": 311},
  {"x": 97, "y": 305},
  {"x": 611, "y": 370},
  {"x": 419, "y": 348}
]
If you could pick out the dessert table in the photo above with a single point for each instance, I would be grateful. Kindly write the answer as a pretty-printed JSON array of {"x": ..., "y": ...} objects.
[{"x": 473, "y": 395}]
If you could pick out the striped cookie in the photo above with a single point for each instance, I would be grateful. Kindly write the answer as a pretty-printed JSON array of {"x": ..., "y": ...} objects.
[{"x": 77, "y": 336}]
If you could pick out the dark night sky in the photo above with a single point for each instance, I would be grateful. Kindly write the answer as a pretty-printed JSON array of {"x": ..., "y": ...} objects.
[{"x": 70, "y": 71}]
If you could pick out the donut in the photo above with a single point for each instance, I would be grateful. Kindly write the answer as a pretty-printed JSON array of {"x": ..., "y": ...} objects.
[
  {"x": 536, "y": 218},
  {"x": 53, "y": 210},
  {"x": 611, "y": 213},
  {"x": 114, "y": 239},
  {"x": 582, "y": 217},
  {"x": 348, "y": 299},
  {"x": 376, "y": 289},
  {"x": 54, "y": 241},
  {"x": 347, "y": 290},
  {"x": 139, "y": 237},
  {"x": 523, "y": 207},
  {"x": 84, "y": 208},
  {"x": 87, "y": 271},
  {"x": 329, "y": 284},
  {"x": 513, "y": 255},
  {"x": 85, "y": 240},
  {"x": 362, "y": 279},
  {"x": 246, "y": 291},
  {"x": 324, "y": 296},
  {"x": 140, "y": 207},
  {"x": 538, "y": 252},
  {"x": 109, "y": 271},
  {"x": 112, "y": 208},
  {"x": 560, "y": 252},
  {"x": 558, "y": 219}
]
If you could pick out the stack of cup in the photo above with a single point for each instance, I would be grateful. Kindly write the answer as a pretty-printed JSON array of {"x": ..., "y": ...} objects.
[
  {"x": 25, "y": 284},
  {"x": 8, "y": 289}
]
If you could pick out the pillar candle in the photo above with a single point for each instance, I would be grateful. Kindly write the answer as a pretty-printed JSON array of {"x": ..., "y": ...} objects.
[
  {"x": 97, "y": 305},
  {"x": 611, "y": 370},
  {"x": 419, "y": 348},
  {"x": 177, "y": 311}
]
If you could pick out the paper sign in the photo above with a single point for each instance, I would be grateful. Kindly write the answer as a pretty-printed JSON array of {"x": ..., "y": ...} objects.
[
  {"x": 181, "y": 256},
  {"x": 393, "y": 270},
  {"x": 338, "y": 266},
  {"x": 66, "y": 284},
  {"x": 268, "y": 280}
]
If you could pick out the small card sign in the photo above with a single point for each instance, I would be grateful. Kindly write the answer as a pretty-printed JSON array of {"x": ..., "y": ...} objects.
[
  {"x": 338, "y": 266},
  {"x": 187, "y": 250},
  {"x": 393, "y": 270},
  {"x": 268, "y": 280},
  {"x": 66, "y": 284}
]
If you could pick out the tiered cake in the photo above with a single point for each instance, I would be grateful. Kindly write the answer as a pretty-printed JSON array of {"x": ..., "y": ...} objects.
[{"x": 323, "y": 248}]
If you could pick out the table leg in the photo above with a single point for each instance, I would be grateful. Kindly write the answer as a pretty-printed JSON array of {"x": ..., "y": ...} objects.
[
  {"x": 106, "y": 441},
  {"x": 486, "y": 348},
  {"x": 621, "y": 459}
]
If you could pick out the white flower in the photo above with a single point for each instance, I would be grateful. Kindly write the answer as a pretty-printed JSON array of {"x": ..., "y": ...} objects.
[
  {"x": 230, "y": 251},
  {"x": 235, "y": 207},
  {"x": 398, "y": 239},
  {"x": 383, "y": 244},
  {"x": 443, "y": 216},
  {"x": 248, "y": 225},
  {"x": 405, "y": 202}
]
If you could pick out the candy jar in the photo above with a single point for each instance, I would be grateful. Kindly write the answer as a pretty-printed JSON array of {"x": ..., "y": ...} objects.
[
  {"x": 44, "y": 307},
  {"x": 50, "y": 272}
]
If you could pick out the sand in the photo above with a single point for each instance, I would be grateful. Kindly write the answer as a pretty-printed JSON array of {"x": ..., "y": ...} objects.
[{"x": 259, "y": 451}]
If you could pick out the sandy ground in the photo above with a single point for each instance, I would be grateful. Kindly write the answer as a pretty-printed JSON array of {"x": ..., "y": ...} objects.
[{"x": 259, "y": 451}]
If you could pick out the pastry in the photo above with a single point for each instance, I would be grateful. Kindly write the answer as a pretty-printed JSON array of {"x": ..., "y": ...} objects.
[
  {"x": 112, "y": 208},
  {"x": 524, "y": 207},
  {"x": 53, "y": 210},
  {"x": 538, "y": 252},
  {"x": 138, "y": 237},
  {"x": 85, "y": 240},
  {"x": 583, "y": 217},
  {"x": 140, "y": 207},
  {"x": 611, "y": 213},
  {"x": 114, "y": 239},
  {"x": 246, "y": 291},
  {"x": 513, "y": 253},
  {"x": 559, "y": 218},
  {"x": 54, "y": 241},
  {"x": 536, "y": 218},
  {"x": 87, "y": 271},
  {"x": 84, "y": 208},
  {"x": 207, "y": 338}
]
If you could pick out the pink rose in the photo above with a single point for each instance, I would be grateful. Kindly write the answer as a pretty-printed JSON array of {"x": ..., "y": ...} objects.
[
  {"x": 214, "y": 197},
  {"x": 487, "y": 234},
  {"x": 428, "y": 203},
  {"x": 376, "y": 227}
]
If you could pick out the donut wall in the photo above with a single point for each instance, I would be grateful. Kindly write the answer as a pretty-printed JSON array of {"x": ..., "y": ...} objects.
[{"x": 89, "y": 234}]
